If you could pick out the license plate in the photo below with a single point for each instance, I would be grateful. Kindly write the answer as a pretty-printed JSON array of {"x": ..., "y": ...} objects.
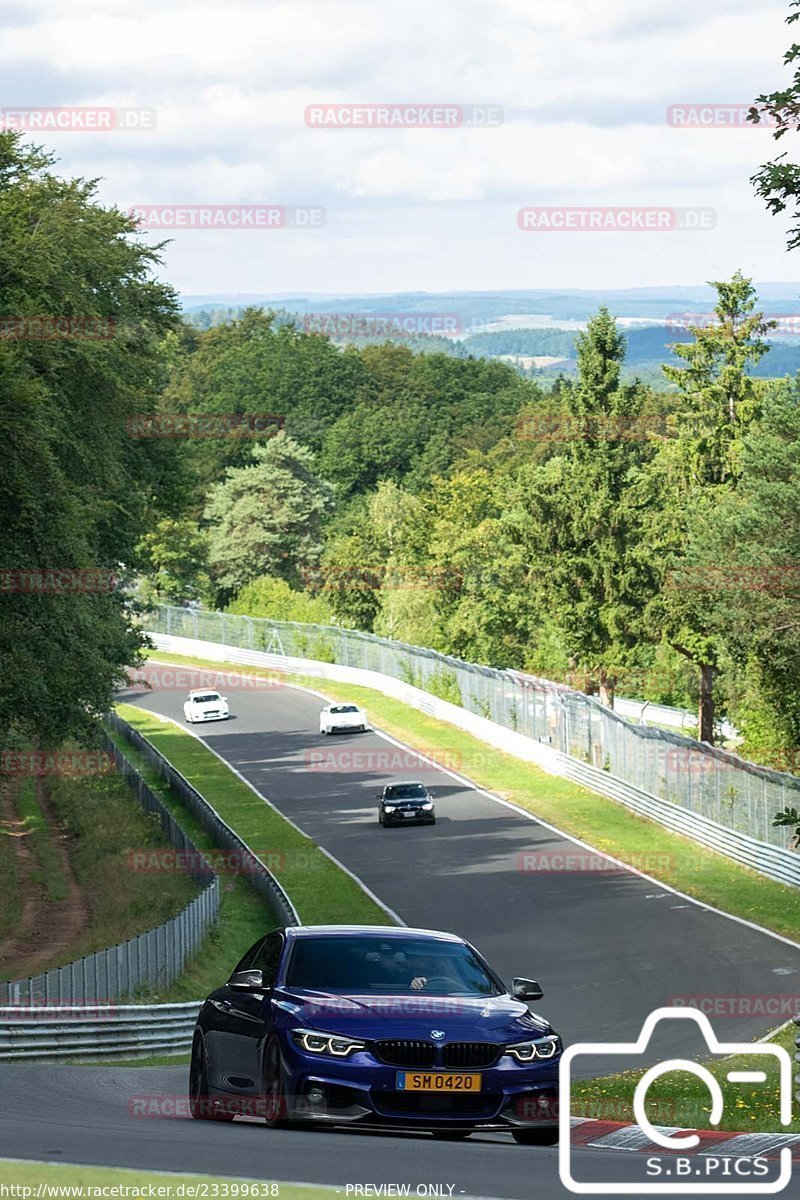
[
  {"x": 409, "y": 814},
  {"x": 437, "y": 1081}
]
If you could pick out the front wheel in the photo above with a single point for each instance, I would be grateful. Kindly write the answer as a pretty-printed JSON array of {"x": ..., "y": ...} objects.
[
  {"x": 200, "y": 1103},
  {"x": 535, "y": 1137},
  {"x": 275, "y": 1106}
]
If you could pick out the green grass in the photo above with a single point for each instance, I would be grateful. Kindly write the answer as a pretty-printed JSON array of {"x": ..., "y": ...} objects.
[
  {"x": 10, "y": 901},
  {"x": 103, "y": 823},
  {"x": 681, "y": 1099},
  {"x": 676, "y": 861},
  {"x": 154, "y": 1060},
  {"x": 48, "y": 873},
  {"x": 320, "y": 891},
  {"x": 54, "y": 1175}
]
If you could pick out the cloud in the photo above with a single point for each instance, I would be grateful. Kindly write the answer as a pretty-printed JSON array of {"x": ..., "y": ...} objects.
[{"x": 584, "y": 86}]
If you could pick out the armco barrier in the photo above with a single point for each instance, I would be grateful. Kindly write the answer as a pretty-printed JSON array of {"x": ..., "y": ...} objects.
[
  {"x": 154, "y": 959},
  {"x": 103, "y": 1031},
  {"x": 224, "y": 837},
  {"x": 625, "y": 762}
]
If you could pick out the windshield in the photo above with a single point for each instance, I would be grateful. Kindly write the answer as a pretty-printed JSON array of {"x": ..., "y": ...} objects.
[
  {"x": 358, "y": 964},
  {"x": 206, "y": 698},
  {"x": 405, "y": 791},
  {"x": 343, "y": 708}
]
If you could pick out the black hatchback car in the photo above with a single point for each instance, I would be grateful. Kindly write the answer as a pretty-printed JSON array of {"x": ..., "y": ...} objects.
[{"x": 406, "y": 803}]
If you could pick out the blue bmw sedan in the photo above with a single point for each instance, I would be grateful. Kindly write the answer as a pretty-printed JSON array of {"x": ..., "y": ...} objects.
[{"x": 378, "y": 1027}]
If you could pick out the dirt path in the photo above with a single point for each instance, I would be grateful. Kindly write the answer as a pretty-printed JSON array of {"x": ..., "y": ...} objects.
[{"x": 47, "y": 928}]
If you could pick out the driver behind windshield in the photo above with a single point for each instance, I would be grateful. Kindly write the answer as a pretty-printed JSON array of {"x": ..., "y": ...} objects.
[{"x": 394, "y": 968}]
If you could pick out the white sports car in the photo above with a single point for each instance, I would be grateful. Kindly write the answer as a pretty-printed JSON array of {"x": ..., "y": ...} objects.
[
  {"x": 205, "y": 705},
  {"x": 342, "y": 716}
]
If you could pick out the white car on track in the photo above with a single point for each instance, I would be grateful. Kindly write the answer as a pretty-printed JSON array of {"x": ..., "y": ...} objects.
[
  {"x": 204, "y": 704},
  {"x": 342, "y": 716}
]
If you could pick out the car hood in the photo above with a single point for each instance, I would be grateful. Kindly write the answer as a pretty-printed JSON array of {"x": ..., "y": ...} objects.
[{"x": 490, "y": 1018}]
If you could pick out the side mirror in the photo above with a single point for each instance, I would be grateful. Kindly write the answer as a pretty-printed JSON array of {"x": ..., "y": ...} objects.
[
  {"x": 431, "y": 794},
  {"x": 379, "y": 796},
  {"x": 225, "y": 698},
  {"x": 526, "y": 989},
  {"x": 247, "y": 981}
]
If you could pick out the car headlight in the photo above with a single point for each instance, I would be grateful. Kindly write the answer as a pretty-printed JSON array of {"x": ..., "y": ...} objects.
[
  {"x": 427, "y": 807},
  {"x": 526, "y": 1052},
  {"x": 389, "y": 808},
  {"x": 326, "y": 1043}
]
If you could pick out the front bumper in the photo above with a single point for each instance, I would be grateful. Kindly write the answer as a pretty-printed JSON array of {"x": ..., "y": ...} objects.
[
  {"x": 360, "y": 1090},
  {"x": 216, "y": 715},
  {"x": 418, "y": 818}
]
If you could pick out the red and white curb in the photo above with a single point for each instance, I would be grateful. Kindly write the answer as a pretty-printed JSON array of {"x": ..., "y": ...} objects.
[{"x": 613, "y": 1135}]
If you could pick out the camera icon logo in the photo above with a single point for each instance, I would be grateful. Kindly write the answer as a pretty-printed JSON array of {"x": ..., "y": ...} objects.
[{"x": 677, "y": 1140}]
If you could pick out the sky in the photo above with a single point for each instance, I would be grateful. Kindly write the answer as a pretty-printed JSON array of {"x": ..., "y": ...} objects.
[{"x": 575, "y": 92}]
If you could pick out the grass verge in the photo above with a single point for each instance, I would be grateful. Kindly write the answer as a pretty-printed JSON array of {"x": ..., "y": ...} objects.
[
  {"x": 34, "y": 1175},
  {"x": 674, "y": 860},
  {"x": 10, "y": 900},
  {"x": 101, "y": 821},
  {"x": 681, "y": 1099},
  {"x": 48, "y": 872}
]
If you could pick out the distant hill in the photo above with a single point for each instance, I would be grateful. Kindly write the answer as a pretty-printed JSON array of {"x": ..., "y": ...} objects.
[
  {"x": 531, "y": 322},
  {"x": 483, "y": 307}
]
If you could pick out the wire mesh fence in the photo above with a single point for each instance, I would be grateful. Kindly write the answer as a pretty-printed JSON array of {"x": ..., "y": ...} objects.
[{"x": 706, "y": 780}]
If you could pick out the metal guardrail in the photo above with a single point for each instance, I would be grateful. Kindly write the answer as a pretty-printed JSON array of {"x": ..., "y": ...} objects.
[
  {"x": 727, "y": 802},
  {"x": 153, "y": 959},
  {"x": 101, "y": 1031},
  {"x": 778, "y": 864},
  {"x": 259, "y": 876}
]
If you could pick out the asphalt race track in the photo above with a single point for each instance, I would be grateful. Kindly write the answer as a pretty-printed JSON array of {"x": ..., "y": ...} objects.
[
  {"x": 82, "y": 1114},
  {"x": 608, "y": 947}
]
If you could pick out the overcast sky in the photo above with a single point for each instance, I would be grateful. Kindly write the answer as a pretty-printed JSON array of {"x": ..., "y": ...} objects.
[{"x": 584, "y": 87}]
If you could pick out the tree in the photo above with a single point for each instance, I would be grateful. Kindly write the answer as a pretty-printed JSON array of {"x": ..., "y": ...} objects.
[
  {"x": 698, "y": 462},
  {"x": 273, "y": 598},
  {"x": 76, "y": 491},
  {"x": 266, "y": 518},
  {"x": 174, "y": 553},
  {"x": 256, "y": 366},
  {"x": 574, "y": 516},
  {"x": 778, "y": 182},
  {"x": 743, "y": 556}
]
